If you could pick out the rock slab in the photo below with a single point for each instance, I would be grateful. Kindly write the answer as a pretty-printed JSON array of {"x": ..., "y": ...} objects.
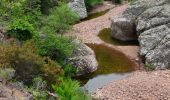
[{"x": 151, "y": 20}]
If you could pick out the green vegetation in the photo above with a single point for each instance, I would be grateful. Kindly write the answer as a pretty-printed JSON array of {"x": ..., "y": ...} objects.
[
  {"x": 91, "y": 3},
  {"x": 69, "y": 90},
  {"x": 149, "y": 66},
  {"x": 59, "y": 20},
  {"x": 37, "y": 50}
]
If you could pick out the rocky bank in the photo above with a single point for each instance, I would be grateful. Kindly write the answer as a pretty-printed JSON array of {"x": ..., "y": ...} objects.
[{"x": 149, "y": 22}]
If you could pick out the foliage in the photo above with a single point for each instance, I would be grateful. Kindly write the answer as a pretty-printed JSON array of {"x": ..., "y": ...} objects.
[
  {"x": 38, "y": 89},
  {"x": 6, "y": 73},
  {"x": 59, "y": 20},
  {"x": 69, "y": 90},
  {"x": 11, "y": 10},
  {"x": 56, "y": 47},
  {"x": 20, "y": 29},
  {"x": 91, "y": 3},
  {"x": 150, "y": 66},
  {"x": 27, "y": 64}
]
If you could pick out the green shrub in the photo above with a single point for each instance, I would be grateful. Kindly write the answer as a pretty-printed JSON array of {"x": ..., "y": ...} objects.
[
  {"x": 27, "y": 64},
  {"x": 38, "y": 89},
  {"x": 69, "y": 90},
  {"x": 91, "y": 3},
  {"x": 60, "y": 19},
  {"x": 20, "y": 29},
  {"x": 56, "y": 47}
]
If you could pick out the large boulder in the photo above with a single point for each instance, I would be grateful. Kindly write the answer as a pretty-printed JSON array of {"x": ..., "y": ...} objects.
[
  {"x": 123, "y": 29},
  {"x": 83, "y": 59},
  {"x": 79, "y": 7},
  {"x": 151, "y": 19},
  {"x": 123, "y": 26}
]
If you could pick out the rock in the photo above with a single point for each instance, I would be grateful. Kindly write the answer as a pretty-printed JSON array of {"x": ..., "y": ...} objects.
[
  {"x": 83, "y": 59},
  {"x": 123, "y": 29},
  {"x": 150, "y": 21},
  {"x": 79, "y": 7},
  {"x": 8, "y": 92}
]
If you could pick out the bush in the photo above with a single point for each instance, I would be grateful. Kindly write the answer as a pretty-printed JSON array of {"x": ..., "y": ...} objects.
[
  {"x": 38, "y": 89},
  {"x": 91, "y": 3},
  {"x": 20, "y": 29},
  {"x": 60, "y": 19},
  {"x": 56, "y": 47},
  {"x": 27, "y": 64},
  {"x": 69, "y": 90}
]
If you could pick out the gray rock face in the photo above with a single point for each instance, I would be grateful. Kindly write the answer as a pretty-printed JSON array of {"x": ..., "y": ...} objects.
[
  {"x": 79, "y": 7},
  {"x": 152, "y": 21},
  {"x": 123, "y": 29},
  {"x": 83, "y": 59}
]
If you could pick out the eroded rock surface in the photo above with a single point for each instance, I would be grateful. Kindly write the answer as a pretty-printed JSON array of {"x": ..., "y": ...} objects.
[
  {"x": 79, "y": 7},
  {"x": 83, "y": 59},
  {"x": 151, "y": 19}
]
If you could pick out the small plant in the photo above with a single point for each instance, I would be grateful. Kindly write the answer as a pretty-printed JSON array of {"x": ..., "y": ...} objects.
[
  {"x": 150, "y": 66},
  {"x": 69, "y": 90},
  {"x": 38, "y": 89},
  {"x": 6, "y": 74}
]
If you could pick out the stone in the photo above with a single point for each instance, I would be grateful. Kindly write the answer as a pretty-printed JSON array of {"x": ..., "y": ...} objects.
[
  {"x": 123, "y": 29},
  {"x": 79, "y": 7},
  {"x": 149, "y": 20},
  {"x": 83, "y": 59}
]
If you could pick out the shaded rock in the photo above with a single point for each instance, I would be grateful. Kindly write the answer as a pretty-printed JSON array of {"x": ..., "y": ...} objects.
[
  {"x": 123, "y": 29},
  {"x": 83, "y": 59},
  {"x": 79, "y": 7}
]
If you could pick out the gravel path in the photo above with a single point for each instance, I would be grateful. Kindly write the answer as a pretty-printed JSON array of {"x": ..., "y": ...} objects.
[{"x": 138, "y": 86}]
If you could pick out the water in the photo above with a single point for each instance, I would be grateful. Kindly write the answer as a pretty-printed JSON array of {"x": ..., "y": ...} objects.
[
  {"x": 105, "y": 35},
  {"x": 113, "y": 65},
  {"x": 94, "y": 15}
]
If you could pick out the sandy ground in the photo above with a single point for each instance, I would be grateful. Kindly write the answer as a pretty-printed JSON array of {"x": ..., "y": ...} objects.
[{"x": 140, "y": 85}]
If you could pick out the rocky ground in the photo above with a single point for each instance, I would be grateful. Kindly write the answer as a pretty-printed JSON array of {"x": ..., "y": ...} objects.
[
  {"x": 140, "y": 85},
  {"x": 10, "y": 92}
]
